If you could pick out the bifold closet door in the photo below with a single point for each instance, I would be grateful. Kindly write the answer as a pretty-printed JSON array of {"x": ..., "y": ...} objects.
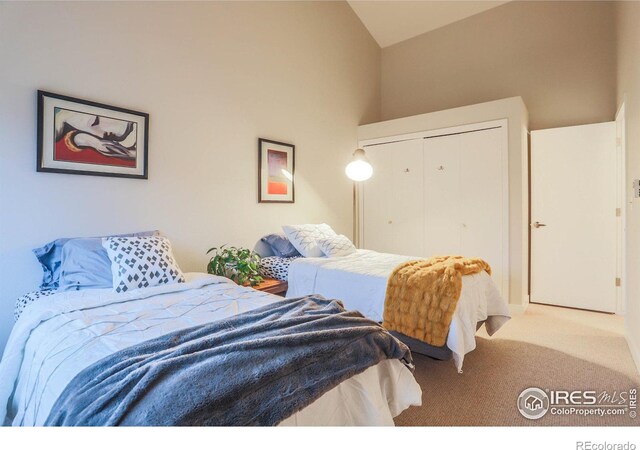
[
  {"x": 463, "y": 198},
  {"x": 393, "y": 215}
]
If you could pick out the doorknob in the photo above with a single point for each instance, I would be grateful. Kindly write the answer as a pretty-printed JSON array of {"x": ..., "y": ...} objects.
[{"x": 538, "y": 224}]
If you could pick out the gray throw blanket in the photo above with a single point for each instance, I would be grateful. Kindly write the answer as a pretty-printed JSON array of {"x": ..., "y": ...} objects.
[{"x": 256, "y": 368}]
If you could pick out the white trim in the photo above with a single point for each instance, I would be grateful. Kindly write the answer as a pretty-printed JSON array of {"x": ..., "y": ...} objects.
[
  {"x": 633, "y": 348},
  {"x": 506, "y": 230},
  {"x": 516, "y": 309},
  {"x": 621, "y": 202},
  {"x": 435, "y": 132},
  {"x": 467, "y": 128},
  {"x": 525, "y": 230}
]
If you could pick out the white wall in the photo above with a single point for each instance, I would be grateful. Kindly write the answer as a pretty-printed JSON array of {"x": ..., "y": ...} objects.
[
  {"x": 514, "y": 110},
  {"x": 628, "y": 65},
  {"x": 214, "y": 77}
]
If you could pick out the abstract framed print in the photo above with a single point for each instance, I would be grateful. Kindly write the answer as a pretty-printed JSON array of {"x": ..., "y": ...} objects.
[
  {"x": 88, "y": 138},
  {"x": 276, "y": 166}
]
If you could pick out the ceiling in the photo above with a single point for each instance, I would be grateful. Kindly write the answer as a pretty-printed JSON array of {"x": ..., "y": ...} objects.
[{"x": 390, "y": 22}]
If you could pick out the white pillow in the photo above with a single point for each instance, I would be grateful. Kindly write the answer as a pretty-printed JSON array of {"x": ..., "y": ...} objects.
[
  {"x": 140, "y": 262},
  {"x": 305, "y": 237},
  {"x": 336, "y": 246}
]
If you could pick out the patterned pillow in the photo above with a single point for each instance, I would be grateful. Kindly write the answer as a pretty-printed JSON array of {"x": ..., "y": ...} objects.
[
  {"x": 305, "y": 237},
  {"x": 276, "y": 267},
  {"x": 140, "y": 262},
  {"x": 29, "y": 298},
  {"x": 336, "y": 246}
]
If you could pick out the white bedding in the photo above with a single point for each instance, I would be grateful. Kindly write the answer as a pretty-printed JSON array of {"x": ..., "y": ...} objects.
[
  {"x": 62, "y": 334},
  {"x": 360, "y": 281}
]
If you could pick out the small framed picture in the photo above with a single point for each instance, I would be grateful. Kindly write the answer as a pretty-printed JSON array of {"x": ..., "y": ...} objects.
[
  {"x": 87, "y": 138},
  {"x": 276, "y": 166}
]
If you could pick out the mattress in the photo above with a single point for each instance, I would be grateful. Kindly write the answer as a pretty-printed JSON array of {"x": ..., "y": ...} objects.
[
  {"x": 59, "y": 335},
  {"x": 359, "y": 280}
]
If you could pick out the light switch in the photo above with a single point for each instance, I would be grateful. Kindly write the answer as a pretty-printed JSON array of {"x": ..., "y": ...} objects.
[{"x": 636, "y": 188}]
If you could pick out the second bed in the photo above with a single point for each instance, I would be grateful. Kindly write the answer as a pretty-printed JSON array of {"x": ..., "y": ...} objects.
[{"x": 360, "y": 279}]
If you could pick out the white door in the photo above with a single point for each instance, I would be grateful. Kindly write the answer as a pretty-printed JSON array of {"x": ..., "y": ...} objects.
[
  {"x": 573, "y": 215},
  {"x": 485, "y": 199},
  {"x": 393, "y": 214},
  {"x": 466, "y": 199},
  {"x": 442, "y": 194}
]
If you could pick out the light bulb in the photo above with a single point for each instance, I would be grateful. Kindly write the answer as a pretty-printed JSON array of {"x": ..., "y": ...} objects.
[{"x": 359, "y": 170}]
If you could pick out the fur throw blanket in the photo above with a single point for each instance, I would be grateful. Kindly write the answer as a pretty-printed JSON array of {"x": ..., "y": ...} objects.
[{"x": 422, "y": 296}]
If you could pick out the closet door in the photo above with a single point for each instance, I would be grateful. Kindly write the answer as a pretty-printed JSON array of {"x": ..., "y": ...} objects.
[
  {"x": 463, "y": 199},
  {"x": 442, "y": 193},
  {"x": 481, "y": 187},
  {"x": 393, "y": 211}
]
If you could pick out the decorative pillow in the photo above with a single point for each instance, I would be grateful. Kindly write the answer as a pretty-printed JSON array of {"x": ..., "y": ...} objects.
[
  {"x": 280, "y": 245},
  {"x": 336, "y": 246},
  {"x": 276, "y": 267},
  {"x": 140, "y": 262},
  {"x": 27, "y": 299},
  {"x": 50, "y": 257},
  {"x": 305, "y": 237}
]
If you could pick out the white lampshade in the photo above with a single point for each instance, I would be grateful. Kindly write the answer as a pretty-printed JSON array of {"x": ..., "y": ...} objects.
[{"x": 359, "y": 168}]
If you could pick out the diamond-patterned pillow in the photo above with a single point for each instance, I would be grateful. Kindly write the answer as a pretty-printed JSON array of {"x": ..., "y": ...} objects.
[
  {"x": 141, "y": 262},
  {"x": 305, "y": 237},
  {"x": 336, "y": 246}
]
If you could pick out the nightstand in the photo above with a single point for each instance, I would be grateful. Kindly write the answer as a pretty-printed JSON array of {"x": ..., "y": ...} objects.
[{"x": 272, "y": 286}]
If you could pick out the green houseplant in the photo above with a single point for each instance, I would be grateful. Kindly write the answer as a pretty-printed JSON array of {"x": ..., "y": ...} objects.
[{"x": 236, "y": 263}]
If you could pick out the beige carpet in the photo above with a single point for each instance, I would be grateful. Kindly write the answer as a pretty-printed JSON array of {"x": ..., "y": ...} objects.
[{"x": 547, "y": 347}]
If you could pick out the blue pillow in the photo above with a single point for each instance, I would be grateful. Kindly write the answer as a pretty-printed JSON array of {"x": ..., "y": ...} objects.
[
  {"x": 50, "y": 257},
  {"x": 281, "y": 246},
  {"x": 85, "y": 265}
]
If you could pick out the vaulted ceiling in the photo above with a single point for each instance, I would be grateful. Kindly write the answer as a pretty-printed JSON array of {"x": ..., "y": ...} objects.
[{"x": 390, "y": 22}]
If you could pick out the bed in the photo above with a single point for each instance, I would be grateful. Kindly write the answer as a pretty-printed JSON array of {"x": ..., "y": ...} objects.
[
  {"x": 61, "y": 334},
  {"x": 359, "y": 280}
]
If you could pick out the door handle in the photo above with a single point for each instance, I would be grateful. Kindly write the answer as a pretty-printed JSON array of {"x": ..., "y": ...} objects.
[{"x": 538, "y": 224}]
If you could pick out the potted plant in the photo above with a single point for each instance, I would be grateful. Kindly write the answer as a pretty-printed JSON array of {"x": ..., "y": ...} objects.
[{"x": 236, "y": 263}]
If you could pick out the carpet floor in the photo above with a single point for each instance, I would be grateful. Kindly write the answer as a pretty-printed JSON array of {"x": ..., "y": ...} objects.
[{"x": 546, "y": 347}]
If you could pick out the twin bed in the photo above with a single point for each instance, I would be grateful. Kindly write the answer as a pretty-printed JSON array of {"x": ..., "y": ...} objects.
[
  {"x": 62, "y": 334},
  {"x": 360, "y": 279},
  {"x": 68, "y": 337}
]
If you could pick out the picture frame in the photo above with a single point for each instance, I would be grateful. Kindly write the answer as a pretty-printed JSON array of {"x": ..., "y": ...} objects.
[
  {"x": 83, "y": 137},
  {"x": 276, "y": 172}
]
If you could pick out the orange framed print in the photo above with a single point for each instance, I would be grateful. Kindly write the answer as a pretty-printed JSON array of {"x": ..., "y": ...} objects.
[{"x": 276, "y": 166}]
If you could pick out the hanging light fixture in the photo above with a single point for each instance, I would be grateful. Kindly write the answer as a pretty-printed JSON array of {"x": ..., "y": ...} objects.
[{"x": 359, "y": 169}]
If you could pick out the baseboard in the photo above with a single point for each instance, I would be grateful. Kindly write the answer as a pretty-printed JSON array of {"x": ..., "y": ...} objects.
[
  {"x": 516, "y": 310},
  {"x": 634, "y": 348}
]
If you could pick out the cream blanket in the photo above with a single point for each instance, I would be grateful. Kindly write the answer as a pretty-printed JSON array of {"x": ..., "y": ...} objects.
[{"x": 422, "y": 296}]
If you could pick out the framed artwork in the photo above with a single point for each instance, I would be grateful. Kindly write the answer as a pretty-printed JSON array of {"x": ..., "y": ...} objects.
[
  {"x": 276, "y": 165},
  {"x": 86, "y": 138}
]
